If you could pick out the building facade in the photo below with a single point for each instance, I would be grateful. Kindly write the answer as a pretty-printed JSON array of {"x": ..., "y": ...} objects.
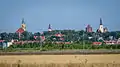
[
  {"x": 22, "y": 28},
  {"x": 88, "y": 28},
  {"x": 101, "y": 28},
  {"x": 49, "y": 28}
]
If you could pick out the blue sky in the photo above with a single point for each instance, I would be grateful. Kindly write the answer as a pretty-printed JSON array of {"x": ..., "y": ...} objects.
[{"x": 61, "y": 14}]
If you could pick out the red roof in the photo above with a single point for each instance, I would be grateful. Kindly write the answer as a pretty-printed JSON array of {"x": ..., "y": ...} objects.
[
  {"x": 58, "y": 35},
  {"x": 20, "y": 30},
  {"x": 35, "y": 37},
  {"x": 61, "y": 38},
  {"x": 43, "y": 37},
  {"x": 97, "y": 43},
  {"x": 2, "y": 40}
]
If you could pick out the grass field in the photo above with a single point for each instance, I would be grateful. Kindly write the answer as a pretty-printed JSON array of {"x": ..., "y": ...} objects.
[{"x": 108, "y": 60}]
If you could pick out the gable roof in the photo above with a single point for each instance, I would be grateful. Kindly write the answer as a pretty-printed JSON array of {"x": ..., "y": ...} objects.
[
  {"x": 20, "y": 30},
  {"x": 2, "y": 40}
]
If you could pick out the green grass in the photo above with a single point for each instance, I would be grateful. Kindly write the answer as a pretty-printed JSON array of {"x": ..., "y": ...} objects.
[{"x": 49, "y": 47}]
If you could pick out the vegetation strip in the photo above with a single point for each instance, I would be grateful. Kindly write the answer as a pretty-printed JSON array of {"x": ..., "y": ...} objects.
[{"x": 67, "y": 52}]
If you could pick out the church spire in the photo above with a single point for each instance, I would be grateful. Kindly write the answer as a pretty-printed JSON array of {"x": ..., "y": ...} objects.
[
  {"x": 49, "y": 28},
  {"x": 101, "y": 28},
  {"x": 23, "y": 25},
  {"x": 23, "y": 22},
  {"x": 100, "y": 21}
]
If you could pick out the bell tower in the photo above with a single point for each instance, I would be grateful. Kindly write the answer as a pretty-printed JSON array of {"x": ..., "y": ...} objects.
[
  {"x": 23, "y": 25},
  {"x": 101, "y": 29},
  {"x": 49, "y": 28}
]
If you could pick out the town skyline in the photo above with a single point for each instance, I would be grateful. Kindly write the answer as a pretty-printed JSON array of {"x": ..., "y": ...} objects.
[
  {"x": 60, "y": 14},
  {"x": 51, "y": 28}
]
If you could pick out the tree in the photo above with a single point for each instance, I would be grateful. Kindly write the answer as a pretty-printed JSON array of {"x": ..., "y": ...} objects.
[
  {"x": 106, "y": 36},
  {"x": 26, "y": 35},
  {"x": 114, "y": 34},
  {"x": 118, "y": 34},
  {"x": 4, "y": 36}
]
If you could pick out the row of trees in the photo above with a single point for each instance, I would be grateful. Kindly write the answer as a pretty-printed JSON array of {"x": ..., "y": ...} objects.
[
  {"x": 70, "y": 35},
  {"x": 45, "y": 47}
]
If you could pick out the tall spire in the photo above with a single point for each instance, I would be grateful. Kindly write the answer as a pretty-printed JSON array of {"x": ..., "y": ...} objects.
[
  {"x": 100, "y": 21},
  {"x": 101, "y": 28},
  {"x": 23, "y": 22},
  {"x": 49, "y": 28},
  {"x": 23, "y": 25}
]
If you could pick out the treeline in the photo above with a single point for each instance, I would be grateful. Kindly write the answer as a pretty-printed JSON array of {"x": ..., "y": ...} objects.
[
  {"x": 46, "y": 47},
  {"x": 70, "y": 35}
]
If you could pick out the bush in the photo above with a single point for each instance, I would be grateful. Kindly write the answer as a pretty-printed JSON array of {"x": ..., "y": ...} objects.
[{"x": 45, "y": 47}]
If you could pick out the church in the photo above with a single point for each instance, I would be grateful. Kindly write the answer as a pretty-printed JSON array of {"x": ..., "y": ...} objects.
[
  {"x": 22, "y": 28},
  {"x": 101, "y": 28}
]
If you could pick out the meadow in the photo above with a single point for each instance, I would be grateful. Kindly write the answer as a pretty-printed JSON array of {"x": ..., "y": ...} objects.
[{"x": 106, "y": 60}]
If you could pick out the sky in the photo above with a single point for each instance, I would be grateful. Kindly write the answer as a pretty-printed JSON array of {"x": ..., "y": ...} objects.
[{"x": 61, "y": 14}]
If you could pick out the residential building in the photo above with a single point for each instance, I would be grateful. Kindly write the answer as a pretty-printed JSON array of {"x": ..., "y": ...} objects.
[
  {"x": 5, "y": 44},
  {"x": 97, "y": 43}
]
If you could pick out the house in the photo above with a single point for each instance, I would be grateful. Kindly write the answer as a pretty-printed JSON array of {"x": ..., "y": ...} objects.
[
  {"x": 59, "y": 35},
  {"x": 9, "y": 44},
  {"x": 112, "y": 42},
  {"x": 3, "y": 44},
  {"x": 97, "y": 43}
]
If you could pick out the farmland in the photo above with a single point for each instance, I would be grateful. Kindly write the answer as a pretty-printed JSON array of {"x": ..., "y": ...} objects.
[{"x": 107, "y": 60}]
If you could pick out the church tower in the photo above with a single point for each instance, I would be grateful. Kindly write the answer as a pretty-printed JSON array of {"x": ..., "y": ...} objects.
[
  {"x": 23, "y": 25},
  {"x": 49, "y": 28},
  {"x": 101, "y": 29}
]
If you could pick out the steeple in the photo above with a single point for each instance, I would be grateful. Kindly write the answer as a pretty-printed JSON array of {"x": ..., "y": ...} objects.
[
  {"x": 101, "y": 28},
  {"x": 23, "y": 25},
  {"x": 23, "y": 22},
  {"x": 49, "y": 28},
  {"x": 100, "y": 21},
  {"x": 22, "y": 28}
]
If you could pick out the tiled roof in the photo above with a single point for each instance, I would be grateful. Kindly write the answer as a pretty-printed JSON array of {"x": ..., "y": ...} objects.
[
  {"x": 97, "y": 43},
  {"x": 20, "y": 30},
  {"x": 58, "y": 35},
  {"x": 2, "y": 40}
]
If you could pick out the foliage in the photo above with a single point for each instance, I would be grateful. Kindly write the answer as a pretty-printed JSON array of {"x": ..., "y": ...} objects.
[
  {"x": 46, "y": 47},
  {"x": 70, "y": 35}
]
